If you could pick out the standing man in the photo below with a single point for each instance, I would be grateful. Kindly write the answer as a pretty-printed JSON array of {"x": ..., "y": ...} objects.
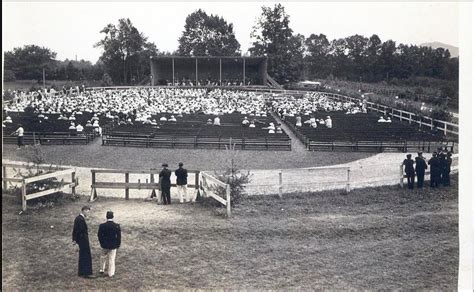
[
  {"x": 434, "y": 170},
  {"x": 80, "y": 237},
  {"x": 181, "y": 182},
  {"x": 443, "y": 167},
  {"x": 165, "y": 175},
  {"x": 446, "y": 178},
  {"x": 110, "y": 238},
  {"x": 19, "y": 133},
  {"x": 420, "y": 167},
  {"x": 409, "y": 171}
]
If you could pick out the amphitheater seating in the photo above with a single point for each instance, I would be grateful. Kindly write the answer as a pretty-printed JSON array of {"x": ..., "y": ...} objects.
[
  {"x": 362, "y": 132},
  {"x": 49, "y": 132},
  {"x": 191, "y": 131}
]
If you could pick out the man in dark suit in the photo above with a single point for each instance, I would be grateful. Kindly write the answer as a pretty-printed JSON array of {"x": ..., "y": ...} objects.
[
  {"x": 409, "y": 171},
  {"x": 420, "y": 167},
  {"x": 434, "y": 170},
  {"x": 181, "y": 182},
  {"x": 165, "y": 175},
  {"x": 80, "y": 237},
  {"x": 110, "y": 238}
]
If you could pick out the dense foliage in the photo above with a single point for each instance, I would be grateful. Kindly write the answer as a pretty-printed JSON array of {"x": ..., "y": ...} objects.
[
  {"x": 127, "y": 52},
  {"x": 207, "y": 35},
  {"x": 274, "y": 38}
]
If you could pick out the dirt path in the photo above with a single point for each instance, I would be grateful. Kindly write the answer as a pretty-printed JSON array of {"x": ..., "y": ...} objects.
[{"x": 378, "y": 170}]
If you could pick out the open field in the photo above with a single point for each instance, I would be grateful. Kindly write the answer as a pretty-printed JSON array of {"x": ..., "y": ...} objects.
[
  {"x": 95, "y": 155},
  {"x": 379, "y": 238}
]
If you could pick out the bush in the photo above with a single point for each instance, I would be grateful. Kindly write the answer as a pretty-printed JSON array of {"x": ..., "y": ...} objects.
[{"x": 233, "y": 176}]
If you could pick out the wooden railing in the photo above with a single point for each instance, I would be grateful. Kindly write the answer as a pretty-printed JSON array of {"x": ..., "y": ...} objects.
[
  {"x": 208, "y": 186},
  {"x": 152, "y": 184},
  {"x": 58, "y": 172}
]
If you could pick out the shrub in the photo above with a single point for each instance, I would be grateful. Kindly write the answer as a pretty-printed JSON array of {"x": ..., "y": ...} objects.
[{"x": 233, "y": 176}]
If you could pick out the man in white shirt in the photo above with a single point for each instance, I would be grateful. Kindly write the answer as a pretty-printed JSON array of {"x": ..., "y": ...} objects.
[{"x": 20, "y": 132}]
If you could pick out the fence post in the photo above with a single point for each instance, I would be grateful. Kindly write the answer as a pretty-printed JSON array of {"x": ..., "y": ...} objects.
[
  {"x": 410, "y": 119},
  {"x": 280, "y": 184},
  {"x": 73, "y": 179},
  {"x": 4, "y": 177},
  {"x": 445, "y": 129},
  {"x": 431, "y": 120},
  {"x": 348, "y": 186},
  {"x": 93, "y": 190},
  {"x": 126, "y": 188},
  {"x": 23, "y": 195},
  {"x": 401, "y": 175},
  {"x": 227, "y": 194},
  {"x": 152, "y": 181}
]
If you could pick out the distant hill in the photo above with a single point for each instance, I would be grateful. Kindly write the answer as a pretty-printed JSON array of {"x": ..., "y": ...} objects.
[{"x": 454, "y": 51}]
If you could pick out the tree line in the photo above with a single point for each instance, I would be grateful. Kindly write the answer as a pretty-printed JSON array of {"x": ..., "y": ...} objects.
[{"x": 291, "y": 56}]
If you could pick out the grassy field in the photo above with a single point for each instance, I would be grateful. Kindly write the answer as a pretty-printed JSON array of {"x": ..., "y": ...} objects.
[
  {"x": 95, "y": 155},
  {"x": 379, "y": 238}
]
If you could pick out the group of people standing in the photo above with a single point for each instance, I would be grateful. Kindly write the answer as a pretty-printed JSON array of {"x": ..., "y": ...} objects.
[
  {"x": 440, "y": 169},
  {"x": 181, "y": 183},
  {"x": 109, "y": 236}
]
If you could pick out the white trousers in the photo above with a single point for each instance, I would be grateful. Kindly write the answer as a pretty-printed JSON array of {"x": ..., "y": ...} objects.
[
  {"x": 108, "y": 256},
  {"x": 182, "y": 192}
]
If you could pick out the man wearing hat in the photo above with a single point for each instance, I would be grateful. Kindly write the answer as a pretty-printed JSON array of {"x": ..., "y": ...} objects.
[
  {"x": 110, "y": 238},
  {"x": 420, "y": 167},
  {"x": 181, "y": 181},
  {"x": 409, "y": 171},
  {"x": 165, "y": 175}
]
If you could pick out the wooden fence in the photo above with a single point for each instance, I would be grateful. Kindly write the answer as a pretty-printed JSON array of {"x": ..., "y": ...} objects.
[
  {"x": 208, "y": 186},
  {"x": 152, "y": 184},
  {"x": 59, "y": 172}
]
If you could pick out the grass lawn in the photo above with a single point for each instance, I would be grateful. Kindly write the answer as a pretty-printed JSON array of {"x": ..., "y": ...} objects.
[
  {"x": 377, "y": 238},
  {"x": 95, "y": 155}
]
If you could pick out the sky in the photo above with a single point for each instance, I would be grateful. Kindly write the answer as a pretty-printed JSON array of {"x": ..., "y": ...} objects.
[{"x": 72, "y": 28}]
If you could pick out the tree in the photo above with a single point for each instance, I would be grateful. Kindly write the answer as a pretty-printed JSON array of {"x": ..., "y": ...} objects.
[
  {"x": 274, "y": 38},
  {"x": 124, "y": 48},
  {"x": 206, "y": 35},
  {"x": 317, "y": 62},
  {"x": 29, "y": 61}
]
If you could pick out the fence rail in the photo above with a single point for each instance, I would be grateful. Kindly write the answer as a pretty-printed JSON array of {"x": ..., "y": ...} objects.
[
  {"x": 207, "y": 190},
  {"x": 25, "y": 196},
  {"x": 127, "y": 185}
]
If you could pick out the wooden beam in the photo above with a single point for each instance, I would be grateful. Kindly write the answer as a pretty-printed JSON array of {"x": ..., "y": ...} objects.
[{"x": 48, "y": 175}]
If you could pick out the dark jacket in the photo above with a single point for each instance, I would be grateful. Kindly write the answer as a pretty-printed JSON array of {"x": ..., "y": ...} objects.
[
  {"x": 109, "y": 234},
  {"x": 181, "y": 176},
  {"x": 165, "y": 175},
  {"x": 421, "y": 165},
  {"x": 409, "y": 170},
  {"x": 434, "y": 165},
  {"x": 79, "y": 233}
]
